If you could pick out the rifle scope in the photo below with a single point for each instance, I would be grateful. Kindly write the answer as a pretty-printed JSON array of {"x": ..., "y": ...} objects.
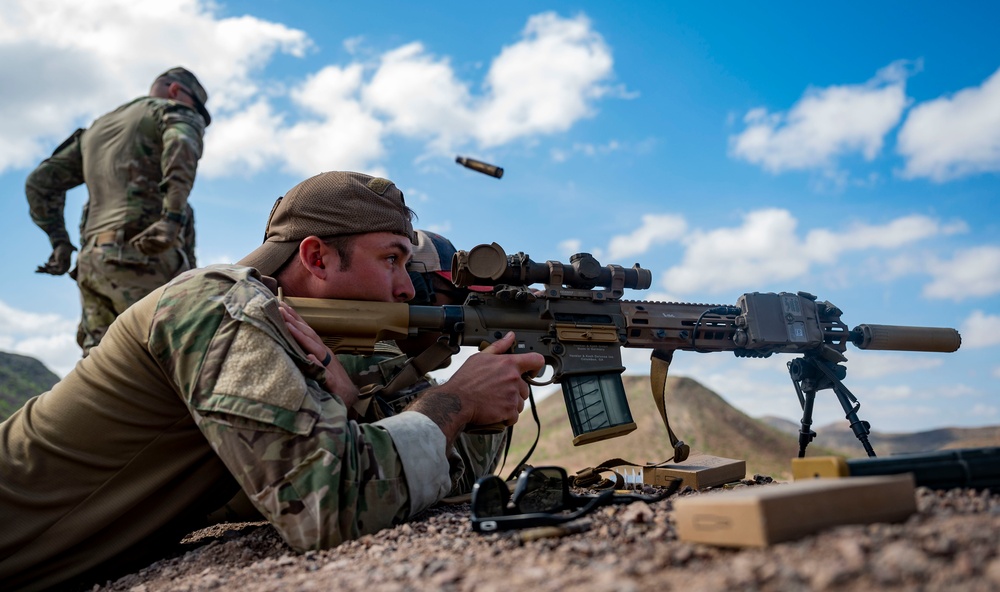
[
  {"x": 904, "y": 338},
  {"x": 489, "y": 265}
]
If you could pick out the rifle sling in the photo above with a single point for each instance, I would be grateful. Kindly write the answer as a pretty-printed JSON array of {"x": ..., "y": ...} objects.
[
  {"x": 413, "y": 370},
  {"x": 409, "y": 374},
  {"x": 417, "y": 367},
  {"x": 659, "y": 364}
]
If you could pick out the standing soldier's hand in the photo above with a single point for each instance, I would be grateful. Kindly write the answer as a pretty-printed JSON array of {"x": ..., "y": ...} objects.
[
  {"x": 59, "y": 260},
  {"x": 157, "y": 237}
]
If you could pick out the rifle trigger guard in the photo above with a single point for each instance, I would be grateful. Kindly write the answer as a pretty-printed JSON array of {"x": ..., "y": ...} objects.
[{"x": 527, "y": 378}]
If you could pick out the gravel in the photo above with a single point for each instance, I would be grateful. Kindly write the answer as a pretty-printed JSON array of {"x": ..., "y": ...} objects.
[{"x": 951, "y": 543}]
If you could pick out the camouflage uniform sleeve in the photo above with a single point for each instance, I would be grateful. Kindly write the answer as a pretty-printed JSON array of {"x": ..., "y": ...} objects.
[
  {"x": 46, "y": 188},
  {"x": 472, "y": 455},
  {"x": 188, "y": 237},
  {"x": 318, "y": 477},
  {"x": 182, "y": 130}
]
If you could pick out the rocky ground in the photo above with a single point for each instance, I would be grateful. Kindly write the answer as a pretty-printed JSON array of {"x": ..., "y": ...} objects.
[{"x": 951, "y": 543}]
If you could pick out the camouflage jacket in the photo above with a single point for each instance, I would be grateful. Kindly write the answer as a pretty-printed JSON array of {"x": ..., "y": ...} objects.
[
  {"x": 138, "y": 162},
  {"x": 196, "y": 391},
  {"x": 319, "y": 478}
]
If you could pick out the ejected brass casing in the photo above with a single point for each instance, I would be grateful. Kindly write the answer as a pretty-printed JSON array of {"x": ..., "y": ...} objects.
[{"x": 478, "y": 165}]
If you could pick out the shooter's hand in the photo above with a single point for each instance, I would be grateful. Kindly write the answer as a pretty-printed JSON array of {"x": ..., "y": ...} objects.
[
  {"x": 487, "y": 389},
  {"x": 337, "y": 380}
]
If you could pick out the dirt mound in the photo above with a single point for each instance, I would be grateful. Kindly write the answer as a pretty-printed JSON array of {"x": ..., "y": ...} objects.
[{"x": 950, "y": 544}]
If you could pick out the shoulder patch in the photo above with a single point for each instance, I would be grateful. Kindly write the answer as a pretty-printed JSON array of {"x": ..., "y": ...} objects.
[
  {"x": 257, "y": 368},
  {"x": 379, "y": 185}
]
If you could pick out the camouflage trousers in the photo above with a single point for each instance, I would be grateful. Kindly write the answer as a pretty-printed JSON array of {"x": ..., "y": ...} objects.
[{"x": 112, "y": 277}]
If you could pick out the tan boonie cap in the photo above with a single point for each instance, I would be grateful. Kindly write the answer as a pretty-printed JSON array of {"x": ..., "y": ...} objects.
[
  {"x": 328, "y": 205},
  {"x": 189, "y": 81}
]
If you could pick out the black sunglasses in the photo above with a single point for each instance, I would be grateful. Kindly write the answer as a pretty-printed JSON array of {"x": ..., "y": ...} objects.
[{"x": 540, "y": 494}]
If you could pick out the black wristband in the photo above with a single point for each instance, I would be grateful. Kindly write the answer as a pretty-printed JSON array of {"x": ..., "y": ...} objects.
[{"x": 174, "y": 217}]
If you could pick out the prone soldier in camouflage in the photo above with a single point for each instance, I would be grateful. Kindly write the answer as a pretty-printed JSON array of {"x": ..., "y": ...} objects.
[
  {"x": 473, "y": 455},
  {"x": 137, "y": 231},
  {"x": 210, "y": 385}
]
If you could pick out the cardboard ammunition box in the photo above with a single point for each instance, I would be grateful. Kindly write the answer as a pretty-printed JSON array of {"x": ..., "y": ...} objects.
[
  {"x": 758, "y": 516},
  {"x": 819, "y": 466},
  {"x": 698, "y": 471}
]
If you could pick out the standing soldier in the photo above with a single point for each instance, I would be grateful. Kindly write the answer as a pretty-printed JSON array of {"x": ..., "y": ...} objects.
[{"x": 139, "y": 164}]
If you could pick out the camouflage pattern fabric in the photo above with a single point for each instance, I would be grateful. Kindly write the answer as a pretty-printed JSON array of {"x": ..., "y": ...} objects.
[
  {"x": 197, "y": 391},
  {"x": 319, "y": 478},
  {"x": 472, "y": 456},
  {"x": 138, "y": 162},
  {"x": 113, "y": 277},
  {"x": 188, "y": 238}
]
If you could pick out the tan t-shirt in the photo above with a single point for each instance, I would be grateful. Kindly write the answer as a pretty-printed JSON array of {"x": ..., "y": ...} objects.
[{"x": 106, "y": 459}]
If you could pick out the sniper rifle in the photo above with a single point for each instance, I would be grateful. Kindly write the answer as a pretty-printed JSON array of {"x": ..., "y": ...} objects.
[{"x": 579, "y": 322}]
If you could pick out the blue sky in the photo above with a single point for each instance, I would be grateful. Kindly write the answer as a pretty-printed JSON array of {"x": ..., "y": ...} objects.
[{"x": 848, "y": 150}]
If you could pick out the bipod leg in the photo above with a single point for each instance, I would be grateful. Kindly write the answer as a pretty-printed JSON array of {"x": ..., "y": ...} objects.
[
  {"x": 860, "y": 428},
  {"x": 851, "y": 405},
  {"x": 806, "y": 434},
  {"x": 807, "y": 398}
]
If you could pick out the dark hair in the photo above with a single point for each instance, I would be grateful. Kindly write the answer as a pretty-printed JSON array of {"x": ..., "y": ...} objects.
[{"x": 343, "y": 245}]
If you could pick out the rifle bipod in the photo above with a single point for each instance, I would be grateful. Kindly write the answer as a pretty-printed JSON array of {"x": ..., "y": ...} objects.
[{"x": 811, "y": 373}]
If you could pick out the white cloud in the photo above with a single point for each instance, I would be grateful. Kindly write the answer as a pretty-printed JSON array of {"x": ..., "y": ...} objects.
[
  {"x": 766, "y": 248},
  {"x": 971, "y": 273},
  {"x": 244, "y": 141},
  {"x": 980, "y": 330},
  {"x": 54, "y": 45},
  {"x": 591, "y": 150},
  {"x": 336, "y": 131},
  {"x": 570, "y": 246},
  {"x": 420, "y": 96},
  {"x": 954, "y": 136},
  {"x": 899, "y": 392},
  {"x": 354, "y": 109},
  {"x": 545, "y": 82},
  {"x": 656, "y": 229},
  {"x": 47, "y": 337},
  {"x": 826, "y": 123},
  {"x": 985, "y": 413},
  {"x": 826, "y": 245},
  {"x": 763, "y": 248},
  {"x": 340, "y": 116},
  {"x": 863, "y": 365}
]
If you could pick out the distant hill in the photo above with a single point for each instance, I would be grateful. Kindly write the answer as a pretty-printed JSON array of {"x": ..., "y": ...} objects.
[
  {"x": 838, "y": 436},
  {"x": 698, "y": 416},
  {"x": 21, "y": 377}
]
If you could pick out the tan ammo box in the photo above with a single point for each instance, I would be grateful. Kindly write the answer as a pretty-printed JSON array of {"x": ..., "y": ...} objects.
[
  {"x": 698, "y": 471},
  {"x": 758, "y": 516}
]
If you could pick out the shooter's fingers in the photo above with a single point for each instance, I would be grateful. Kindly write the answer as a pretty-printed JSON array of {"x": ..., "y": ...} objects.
[
  {"x": 528, "y": 363},
  {"x": 502, "y": 345}
]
